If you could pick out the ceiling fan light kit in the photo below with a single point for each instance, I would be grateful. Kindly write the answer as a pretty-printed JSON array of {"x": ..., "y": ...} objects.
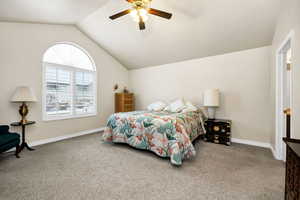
[{"x": 139, "y": 12}]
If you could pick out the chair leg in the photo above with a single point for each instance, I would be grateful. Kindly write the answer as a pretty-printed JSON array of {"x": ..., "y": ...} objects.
[{"x": 17, "y": 151}]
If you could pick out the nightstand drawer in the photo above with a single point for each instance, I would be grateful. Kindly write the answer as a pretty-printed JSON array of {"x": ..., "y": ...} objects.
[
  {"x": 218, "y": 139},
  {"x": 218, "y": 127}
]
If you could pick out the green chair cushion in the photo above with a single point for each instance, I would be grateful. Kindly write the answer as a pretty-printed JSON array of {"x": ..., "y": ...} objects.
[
  {"x": 9, "y": 146},
  {"x": 9, "y": 138}
]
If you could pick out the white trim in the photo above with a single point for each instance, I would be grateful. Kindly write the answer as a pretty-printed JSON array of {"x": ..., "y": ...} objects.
[
  {"x": 275, "y": 153},
  {"x": 65, "y": 117},
  {"x": 76, "y": 46},
  {"x": 60, "y": 138},
  {"x": 252, "y": 143},
  {"x": 257, "y": 144},
  {"x": 279, "y": 97},
  {"x": 64, "y": 137}
]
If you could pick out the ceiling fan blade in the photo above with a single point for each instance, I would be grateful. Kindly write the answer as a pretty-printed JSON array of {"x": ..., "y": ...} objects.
[
  {"x": 160, "y": 13},
  {"x": 120, "y": 14},
  {"x": 142, "y": 24}
]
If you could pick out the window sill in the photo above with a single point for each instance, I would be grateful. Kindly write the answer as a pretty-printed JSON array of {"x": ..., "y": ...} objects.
[{"x": 57, "y": 118}]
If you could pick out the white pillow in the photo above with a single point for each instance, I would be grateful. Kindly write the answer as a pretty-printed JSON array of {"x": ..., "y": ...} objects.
[
  {"x": 168, "y": 109},
  {"x": 189, "y": 107},
  {"x": 157, "y": 106},
  {"x": 176, "y": 106}
]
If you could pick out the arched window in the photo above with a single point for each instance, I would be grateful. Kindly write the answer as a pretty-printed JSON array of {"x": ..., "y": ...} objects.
[{"x": 69, "y": 83}]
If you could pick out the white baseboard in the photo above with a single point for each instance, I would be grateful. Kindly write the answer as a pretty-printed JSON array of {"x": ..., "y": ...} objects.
[
  {"x": 257, "y": 144},
  {"x": 275, "y": 155},
  {"x": 251, "y": 142},
  {"x": 60, "y": 138},
  {"x": 64, "y": 137}
]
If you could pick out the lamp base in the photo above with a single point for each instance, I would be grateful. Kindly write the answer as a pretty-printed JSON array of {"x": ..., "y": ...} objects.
[
  {"x": 23, "y": 110},
  {"x": 211, "y": 112}
]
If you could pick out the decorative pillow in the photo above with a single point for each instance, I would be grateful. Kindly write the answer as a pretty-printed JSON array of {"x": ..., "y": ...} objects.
[
  {"x": 176, "y": 106},
  {"x": 157, "y": 106},
  {"x": 189, "y": 107}
]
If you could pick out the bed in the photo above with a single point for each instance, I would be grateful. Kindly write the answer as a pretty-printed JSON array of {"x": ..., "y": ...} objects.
[{"x": 164, "y": 133}]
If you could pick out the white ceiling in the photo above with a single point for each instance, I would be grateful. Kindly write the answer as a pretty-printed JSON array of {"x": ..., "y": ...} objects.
[
  {"x": 48, "y": 11},
  {"x": 199, "y": 28}
]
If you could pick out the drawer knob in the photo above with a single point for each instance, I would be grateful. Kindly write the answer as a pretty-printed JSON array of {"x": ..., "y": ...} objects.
[{"x": 216, "y": 128}]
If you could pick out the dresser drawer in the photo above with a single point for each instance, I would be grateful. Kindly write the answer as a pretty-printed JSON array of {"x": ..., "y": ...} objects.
[
  {"x": 128, "y": 101},
  {"x": 128, "y": 108},
  {"x": 128, "y": 96}
]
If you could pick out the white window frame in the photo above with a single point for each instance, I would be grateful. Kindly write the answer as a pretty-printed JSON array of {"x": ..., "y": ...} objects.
[{"x": 73, "y": 71}]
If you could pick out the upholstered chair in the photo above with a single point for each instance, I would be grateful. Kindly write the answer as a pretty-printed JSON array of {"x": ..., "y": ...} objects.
[{"x": 9, "y": 140}]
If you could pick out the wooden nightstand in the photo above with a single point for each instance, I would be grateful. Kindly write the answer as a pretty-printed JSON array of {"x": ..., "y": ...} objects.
[{"x": 218, "y": 131}]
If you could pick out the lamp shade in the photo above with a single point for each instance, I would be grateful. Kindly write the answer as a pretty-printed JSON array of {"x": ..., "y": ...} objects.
[
  {"x": 212, "y": 98},
  {"x": 23, "y": 94}
]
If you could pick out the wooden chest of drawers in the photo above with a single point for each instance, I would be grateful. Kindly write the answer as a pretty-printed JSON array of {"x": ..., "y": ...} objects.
[
  {"x": 292, "y": 179},
  {"x": 218, "y": 131},
  {"x": 124, "y": 102}
]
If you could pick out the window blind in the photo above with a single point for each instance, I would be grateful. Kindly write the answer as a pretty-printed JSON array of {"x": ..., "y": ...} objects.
[{"x": 69, "y": 91}]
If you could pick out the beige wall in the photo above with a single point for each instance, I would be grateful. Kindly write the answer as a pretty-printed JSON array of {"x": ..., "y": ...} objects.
[
  {"x": 288, "y": 20},
  {"x": 242, "y": 77},
  {"x": 21, "y": 50}
]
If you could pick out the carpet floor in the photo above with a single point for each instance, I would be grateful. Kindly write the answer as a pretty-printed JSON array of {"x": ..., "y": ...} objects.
[{"x": 84, "y": 168}]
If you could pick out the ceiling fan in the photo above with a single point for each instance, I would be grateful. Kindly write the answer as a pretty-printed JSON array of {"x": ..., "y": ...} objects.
[{"x": 139, "y": 12}]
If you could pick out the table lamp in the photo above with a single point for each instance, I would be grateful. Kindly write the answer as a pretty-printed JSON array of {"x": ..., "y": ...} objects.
[
  {"x": 211, "y": 101},
  {"x": 22, "y": 95}
]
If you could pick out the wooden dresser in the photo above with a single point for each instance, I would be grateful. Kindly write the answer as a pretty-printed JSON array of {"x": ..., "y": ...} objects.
[
  {"x": 124, "y": 102},
  {"x": 292, "y": 179}
]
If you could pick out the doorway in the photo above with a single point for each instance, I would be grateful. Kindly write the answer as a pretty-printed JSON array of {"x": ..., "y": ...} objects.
[{"x": 284, "y": 95}]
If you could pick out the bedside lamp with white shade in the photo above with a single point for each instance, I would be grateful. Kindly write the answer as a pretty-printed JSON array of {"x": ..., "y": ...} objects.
[
  {"x": 23, "y": 95},
  {"x": 211, "y": 101}
]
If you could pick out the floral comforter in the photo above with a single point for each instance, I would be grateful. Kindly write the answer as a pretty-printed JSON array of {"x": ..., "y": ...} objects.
[{"x": 166, "y": 134}]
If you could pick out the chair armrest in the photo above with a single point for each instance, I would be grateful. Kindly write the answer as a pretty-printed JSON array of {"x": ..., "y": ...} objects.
[{"x": 4, "y": 129}]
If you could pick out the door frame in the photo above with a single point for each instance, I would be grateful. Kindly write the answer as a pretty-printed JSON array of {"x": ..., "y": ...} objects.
[{"x": 280, "y": 119}]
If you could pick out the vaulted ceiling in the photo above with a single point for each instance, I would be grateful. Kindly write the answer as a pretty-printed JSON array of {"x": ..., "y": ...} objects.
[
  {"x": 199, "y": 28},
  {"x": 49, "y": 11}
]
